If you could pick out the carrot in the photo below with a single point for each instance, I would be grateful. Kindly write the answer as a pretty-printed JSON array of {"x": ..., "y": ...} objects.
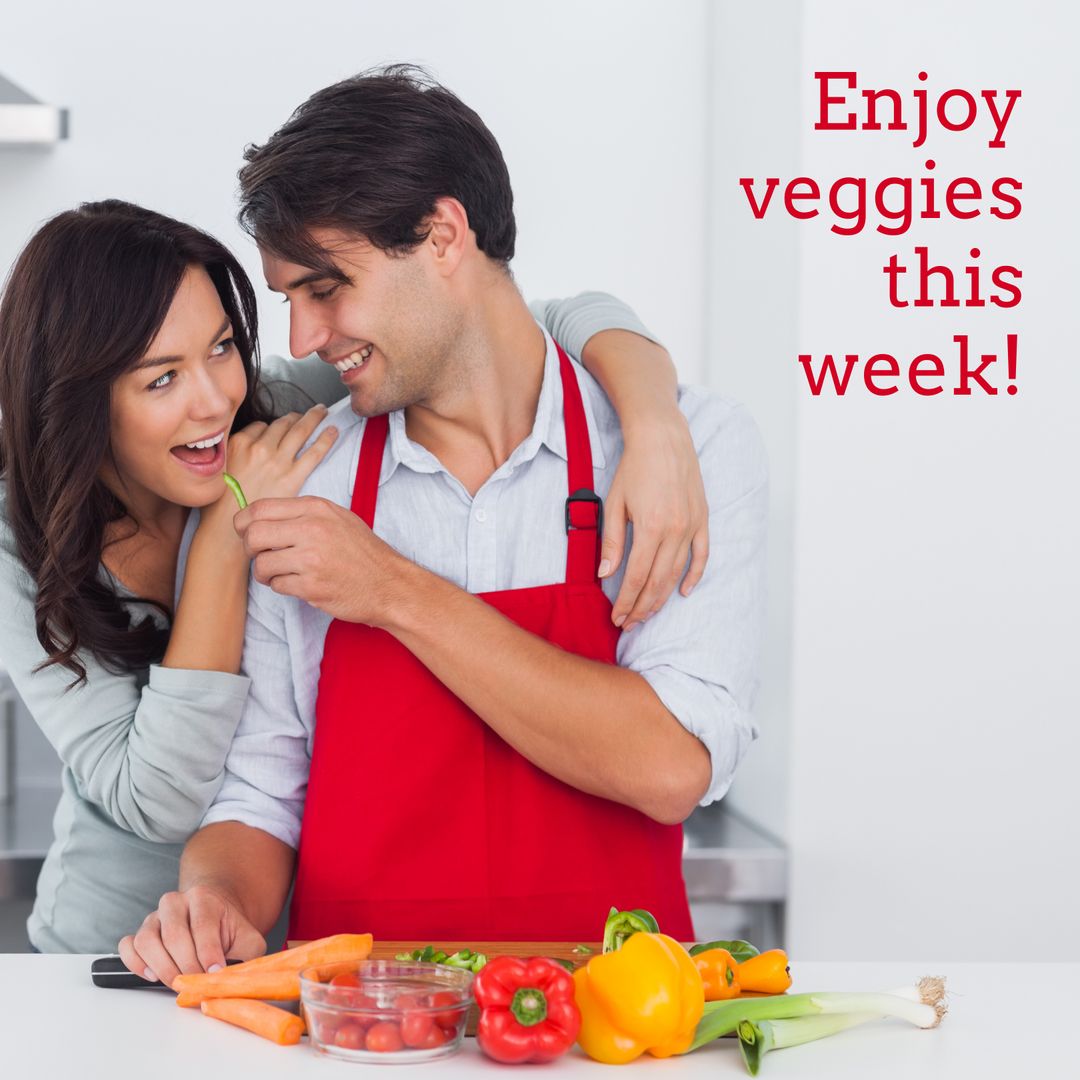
[
  {"x": 269, "y": 1021},
  {"x": 275, "y": 976},
  {"x": 192, "y": 990}
]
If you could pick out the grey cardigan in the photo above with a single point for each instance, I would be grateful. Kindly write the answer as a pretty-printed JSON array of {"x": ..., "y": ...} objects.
[{"x": 143, "y": 754}]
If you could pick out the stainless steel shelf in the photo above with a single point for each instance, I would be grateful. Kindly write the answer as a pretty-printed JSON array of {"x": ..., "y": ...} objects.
[
  {"x": 26, "y": 821},
  {"x": 730, "y": 859}
]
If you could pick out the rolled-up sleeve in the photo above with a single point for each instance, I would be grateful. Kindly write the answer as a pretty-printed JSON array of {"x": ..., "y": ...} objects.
[
  {"x": 266, "y": 771},
  {"x": 701, "y": 653}
]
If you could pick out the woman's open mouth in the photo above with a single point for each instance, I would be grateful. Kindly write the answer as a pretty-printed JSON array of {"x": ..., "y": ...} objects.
[{"x": 200, "y": 458}]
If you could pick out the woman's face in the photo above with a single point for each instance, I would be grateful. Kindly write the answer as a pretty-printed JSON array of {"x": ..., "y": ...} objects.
[{"x": 186, "y": 389}]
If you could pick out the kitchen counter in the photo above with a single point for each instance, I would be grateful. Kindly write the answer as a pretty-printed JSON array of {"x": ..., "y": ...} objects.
[{"x": 55, "y": 1022}]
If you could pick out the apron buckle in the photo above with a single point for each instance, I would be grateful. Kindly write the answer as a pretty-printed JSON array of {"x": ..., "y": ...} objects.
[{"x": 584, "y": 495}]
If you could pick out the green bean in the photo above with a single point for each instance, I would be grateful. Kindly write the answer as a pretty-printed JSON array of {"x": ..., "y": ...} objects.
[{"x": 233, "y": 485}]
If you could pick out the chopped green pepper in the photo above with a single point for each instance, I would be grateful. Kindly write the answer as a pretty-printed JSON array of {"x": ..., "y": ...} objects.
[
  {"x": 621, "y": 924},
  {"x": 464, "y": 958}
]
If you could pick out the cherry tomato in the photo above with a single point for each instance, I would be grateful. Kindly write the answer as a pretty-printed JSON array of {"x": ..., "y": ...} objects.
[
  {"x": 344, "y": 990},
  {"x": 450, "y": 1018},
  {"x": 436, "y": 1036},
  {"x": 384, "y": 1037},
  {"x": 346, "y": 978},
  {"x": 350, "y": 1036},
  {"x": 416, "y": 1026},
  {"x": 326, "y": 1027}
]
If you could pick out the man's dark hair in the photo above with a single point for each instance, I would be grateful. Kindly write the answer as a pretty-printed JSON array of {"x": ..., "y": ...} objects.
[{"x": 370, "y": 156}]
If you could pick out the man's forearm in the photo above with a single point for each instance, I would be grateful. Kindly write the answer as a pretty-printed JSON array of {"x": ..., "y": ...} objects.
[
  {"x": 251, "y": 867},
  {"x": 595, "y": 726}
]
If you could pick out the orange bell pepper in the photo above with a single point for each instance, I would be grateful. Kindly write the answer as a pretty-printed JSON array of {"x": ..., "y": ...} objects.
[
  {"x": 718, "y": 967},
  {"x": 767, "y": 973}
]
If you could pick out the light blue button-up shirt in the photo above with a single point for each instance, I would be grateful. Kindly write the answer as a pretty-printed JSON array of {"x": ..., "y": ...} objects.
[{"x": 699, "y": 654}]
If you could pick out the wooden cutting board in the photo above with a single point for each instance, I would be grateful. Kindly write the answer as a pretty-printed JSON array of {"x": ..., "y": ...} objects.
[{"x": 557, "y": 950}]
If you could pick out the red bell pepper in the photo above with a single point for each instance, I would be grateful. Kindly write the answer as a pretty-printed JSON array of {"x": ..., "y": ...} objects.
[{"x": 527, "y": 1009}]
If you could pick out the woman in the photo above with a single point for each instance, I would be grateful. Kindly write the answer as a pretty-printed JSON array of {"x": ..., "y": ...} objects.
[{"x": 128, "y": 378}]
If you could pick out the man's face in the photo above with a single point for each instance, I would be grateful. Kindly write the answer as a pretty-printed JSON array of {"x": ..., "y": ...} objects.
[{"x": 389, "y": 333}]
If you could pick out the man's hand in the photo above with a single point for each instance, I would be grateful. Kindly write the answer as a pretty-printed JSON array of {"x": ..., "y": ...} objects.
[
  {"x": 191, "y": 931},
  {"x": 323, "y": 553}
]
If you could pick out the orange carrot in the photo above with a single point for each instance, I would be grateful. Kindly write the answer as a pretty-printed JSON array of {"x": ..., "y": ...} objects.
[
  {"x": 192, "y": 990},
  {"x": 269, "y": 1021},
  {"x": 328, "y": 950},
  {"x": 275, "y": 976}
]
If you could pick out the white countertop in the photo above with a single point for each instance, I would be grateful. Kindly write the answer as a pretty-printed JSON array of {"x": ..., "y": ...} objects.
[{"x": 55, "y": 1022}]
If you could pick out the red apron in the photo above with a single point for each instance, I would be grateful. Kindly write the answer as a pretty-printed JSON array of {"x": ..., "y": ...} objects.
[{"x": 421, "y": 823}]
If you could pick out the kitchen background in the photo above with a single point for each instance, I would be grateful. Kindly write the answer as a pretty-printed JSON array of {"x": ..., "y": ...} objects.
[{"x": 913, "y": 792}]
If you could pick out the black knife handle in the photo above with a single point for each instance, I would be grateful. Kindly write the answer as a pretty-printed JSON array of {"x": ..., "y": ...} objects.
[{"x": 110, "y": 973}]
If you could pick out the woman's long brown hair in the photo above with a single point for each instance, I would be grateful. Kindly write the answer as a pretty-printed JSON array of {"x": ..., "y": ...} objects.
[{"x": 81, "y": 306}]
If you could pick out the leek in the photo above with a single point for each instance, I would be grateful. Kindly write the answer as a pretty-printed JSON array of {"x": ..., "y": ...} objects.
[
  {"x": 757, "y": 1039},
  {"x": 922, "y": 1005}
]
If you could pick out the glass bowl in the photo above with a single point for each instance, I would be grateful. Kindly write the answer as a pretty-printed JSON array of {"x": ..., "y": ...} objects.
[{"x": 386, "y": 1011}]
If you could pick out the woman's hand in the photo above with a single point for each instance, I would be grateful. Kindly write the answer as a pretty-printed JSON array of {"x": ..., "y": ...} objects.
[
  {"x": 658, "y": 487},
  {"x": 263, "y": 457}
]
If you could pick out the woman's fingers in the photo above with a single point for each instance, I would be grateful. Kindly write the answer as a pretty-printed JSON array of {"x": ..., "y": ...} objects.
[
  {"x": 611, "y": 548},
  {"x": 660, "y": 580},
  {"x": 699, "y": 557},
  {"x": 635, "y": 579},
  {"x": 313, "y": 455},
  {"x": 298, "y": 433}
]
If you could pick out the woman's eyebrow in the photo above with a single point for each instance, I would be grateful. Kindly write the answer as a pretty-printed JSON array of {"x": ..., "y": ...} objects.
[{"x": 158, "y": 361}]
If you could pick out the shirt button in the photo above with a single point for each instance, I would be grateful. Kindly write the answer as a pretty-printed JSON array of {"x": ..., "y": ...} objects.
[{"x": 481, "y": 516}]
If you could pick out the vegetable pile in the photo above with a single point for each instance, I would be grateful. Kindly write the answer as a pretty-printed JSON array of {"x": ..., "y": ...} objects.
[
  {"x": 644, "y": 993},
  {"x": 647, "y": 994}
]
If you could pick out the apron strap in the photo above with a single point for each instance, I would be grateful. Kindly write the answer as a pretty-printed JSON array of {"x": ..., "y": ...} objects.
[
  {"x": 368, "y": 468},
  {"x": 584, "y": 515}
]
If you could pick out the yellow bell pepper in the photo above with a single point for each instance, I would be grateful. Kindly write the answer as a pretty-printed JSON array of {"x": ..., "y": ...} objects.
[{"x": 646, "y": 997}]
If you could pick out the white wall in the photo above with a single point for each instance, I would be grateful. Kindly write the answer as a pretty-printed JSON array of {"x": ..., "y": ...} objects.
[
  {"x": 753, "y": 332},
  {"x": 599, "y": 107},
  {"x": 934, "y": 801}
]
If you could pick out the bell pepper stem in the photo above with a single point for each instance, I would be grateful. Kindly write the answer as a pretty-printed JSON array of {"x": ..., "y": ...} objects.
[
  {"x": 529, "y": 1006},
  {"x": 621, "y": 924}
]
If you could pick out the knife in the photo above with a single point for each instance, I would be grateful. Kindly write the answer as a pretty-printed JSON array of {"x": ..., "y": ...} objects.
[{"x": 110, "y": 973}]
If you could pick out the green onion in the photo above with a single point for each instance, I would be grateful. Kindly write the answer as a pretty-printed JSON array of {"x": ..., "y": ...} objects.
[
  {"x": 233, "y": 485},
  {"x": 923, "y": 1006}
]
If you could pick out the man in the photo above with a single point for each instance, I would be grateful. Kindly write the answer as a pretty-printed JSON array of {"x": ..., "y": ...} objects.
[{"x": 490, "y": 757}]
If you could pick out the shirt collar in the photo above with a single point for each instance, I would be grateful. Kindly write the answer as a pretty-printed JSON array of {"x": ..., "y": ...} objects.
[{"x": 548, "y": 427}]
